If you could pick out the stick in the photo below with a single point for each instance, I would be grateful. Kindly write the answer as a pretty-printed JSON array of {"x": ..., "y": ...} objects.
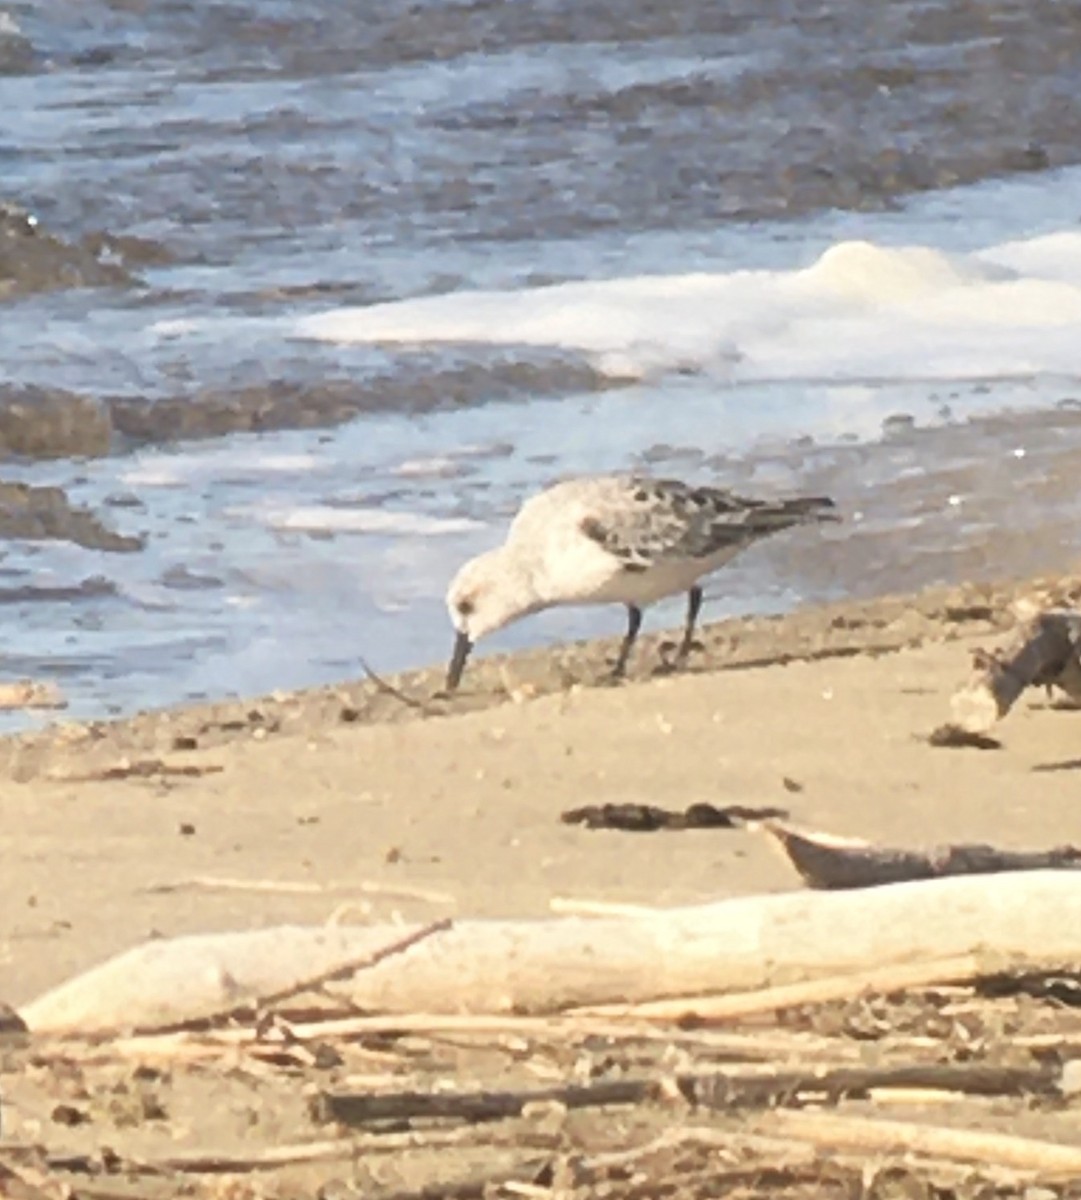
[
  {"x": 212, "y": 883},
  {"x": 203, "y": 1163},
  {"x": 366, "y": 961},
  {"x": 883, "y": 980},
  {"x": 206, "y": 883},
  {"x": 143, "y": 768},
  {"x": 475, "y": 1185},
  {"x": 266, "y": 1160},
  {"x": 373, "y": 1108},
  {"x": 830, "y": 1131},
  {"x": 390, "y": 690},
  {"x": 827, "y": 862},
  {"x": 758, "y": 1150},
  {"x": 775, "y": 1149},
  {"x": 721, "y": 1089},
  {"x": 599, "y": 908},
  {"x": 716, "y": 1089},
  {"x": 743, "y": 1046}
]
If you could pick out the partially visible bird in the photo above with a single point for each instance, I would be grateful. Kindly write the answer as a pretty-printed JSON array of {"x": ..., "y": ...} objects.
[{"x": 605, "y": 539}]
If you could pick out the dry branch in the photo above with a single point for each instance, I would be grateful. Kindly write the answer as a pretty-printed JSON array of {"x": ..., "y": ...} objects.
[
  {"x": 827, "y": 862},
  {"x": 830, "y": 1131},
  {"x": 274, "y": 1157},
  {"x": 725, "y": 1088},
  {"x": 357, "y": 1109},
  {"x": 743, "y": 1047},
  {"x": 1045, "y": 652}
]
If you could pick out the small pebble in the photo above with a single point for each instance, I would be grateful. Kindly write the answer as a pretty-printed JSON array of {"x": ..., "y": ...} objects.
[{"x": 1070, "y": 1083}]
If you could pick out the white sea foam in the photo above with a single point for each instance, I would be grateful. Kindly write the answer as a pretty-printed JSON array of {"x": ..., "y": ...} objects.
[
  {"x": 440, "y": 466},
  {"x": 177, "y": 470},
  {"x": 323, "y": 518},
  {"x": 861, "y": 311}
]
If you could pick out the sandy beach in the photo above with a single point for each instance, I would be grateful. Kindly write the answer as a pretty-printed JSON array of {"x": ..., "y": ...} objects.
[
  {"x": 284, "y": 808},
  {"x": 375, "y": 800}
]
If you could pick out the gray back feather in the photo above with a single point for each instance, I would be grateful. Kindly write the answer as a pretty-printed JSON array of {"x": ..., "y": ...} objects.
[{"x": 650, "y": 520}]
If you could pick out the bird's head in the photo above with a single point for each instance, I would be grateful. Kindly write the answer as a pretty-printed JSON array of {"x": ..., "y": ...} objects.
[{"x": 488, "y": 592}]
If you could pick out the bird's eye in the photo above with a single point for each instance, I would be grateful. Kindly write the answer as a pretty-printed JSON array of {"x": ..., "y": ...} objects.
[{"x": 466, "y": 607}]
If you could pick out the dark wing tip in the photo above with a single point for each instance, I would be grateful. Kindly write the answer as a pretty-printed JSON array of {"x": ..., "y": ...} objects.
[{"x": 820, "y": 508}]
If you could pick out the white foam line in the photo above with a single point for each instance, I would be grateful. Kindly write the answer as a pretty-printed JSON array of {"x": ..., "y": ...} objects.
[
  {"x": 1000, "y": 312},
  {"x": 315, "y": 518}
]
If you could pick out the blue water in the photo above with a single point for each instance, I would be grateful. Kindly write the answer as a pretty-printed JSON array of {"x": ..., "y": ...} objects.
[{"x": 296, "y": 163}]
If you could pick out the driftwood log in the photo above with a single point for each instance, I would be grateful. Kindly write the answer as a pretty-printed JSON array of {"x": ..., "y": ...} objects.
[
  {"x": 824, "y": 861},
  {"x": 1045, "y": 653},
  {"x": 1025, "y": 920}
]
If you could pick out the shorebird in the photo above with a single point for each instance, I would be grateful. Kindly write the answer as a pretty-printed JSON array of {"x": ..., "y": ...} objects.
[{"x": 612, "y": 539}]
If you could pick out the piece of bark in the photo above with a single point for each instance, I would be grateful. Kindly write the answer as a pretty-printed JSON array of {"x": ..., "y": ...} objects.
[
  {"x": 827, "y": 862},
  {"x": 1045, "y": 653},
  {"x": 645, "y": 818},
  {"x": 538, "y": 966}
]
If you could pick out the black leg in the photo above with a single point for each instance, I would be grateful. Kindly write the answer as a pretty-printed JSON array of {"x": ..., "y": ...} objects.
[
  {"x": 694, "y": 604},
  {"x": 634, "y": 623}
]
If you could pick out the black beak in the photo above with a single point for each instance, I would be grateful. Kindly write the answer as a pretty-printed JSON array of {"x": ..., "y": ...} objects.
[{"x": 462, "y": 647}]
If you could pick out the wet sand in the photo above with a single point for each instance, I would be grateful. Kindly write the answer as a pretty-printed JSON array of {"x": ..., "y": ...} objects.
[{"x": 429, "y": 807}]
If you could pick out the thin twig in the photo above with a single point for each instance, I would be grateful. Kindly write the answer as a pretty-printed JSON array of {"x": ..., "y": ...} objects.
[
  {"x": 216, "y": 883},
  {"x": 273, "y": 1157},
  {"x": 363, "y": 962},
  {"x": 748, "y": 1047},
  {"x": 601, "y": 908},
  {"x": 882, "y": 980},
  {"x": 389, "y": 689}
]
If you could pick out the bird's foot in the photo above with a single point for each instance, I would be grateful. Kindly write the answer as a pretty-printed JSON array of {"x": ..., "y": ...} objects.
[
  {"x": 674, "y": 657},
  {"x": 616, "y": 676}
]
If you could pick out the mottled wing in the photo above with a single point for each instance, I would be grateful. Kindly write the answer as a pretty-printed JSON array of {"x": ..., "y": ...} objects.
[{"x": 643, "y": 521}]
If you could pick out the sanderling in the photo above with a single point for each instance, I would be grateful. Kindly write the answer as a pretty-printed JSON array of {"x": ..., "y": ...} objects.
[{"x": 612, "y": 539}]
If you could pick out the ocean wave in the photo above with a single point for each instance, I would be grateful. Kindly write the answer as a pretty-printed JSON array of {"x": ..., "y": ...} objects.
[{"x": 861, "y": 311}]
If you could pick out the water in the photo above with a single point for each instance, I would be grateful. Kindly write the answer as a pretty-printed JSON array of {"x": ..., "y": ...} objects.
[{"x": 513, "y": 242}]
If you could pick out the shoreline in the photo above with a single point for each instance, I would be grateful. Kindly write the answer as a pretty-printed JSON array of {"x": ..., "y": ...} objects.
[{"x": 874, "y": 626}]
